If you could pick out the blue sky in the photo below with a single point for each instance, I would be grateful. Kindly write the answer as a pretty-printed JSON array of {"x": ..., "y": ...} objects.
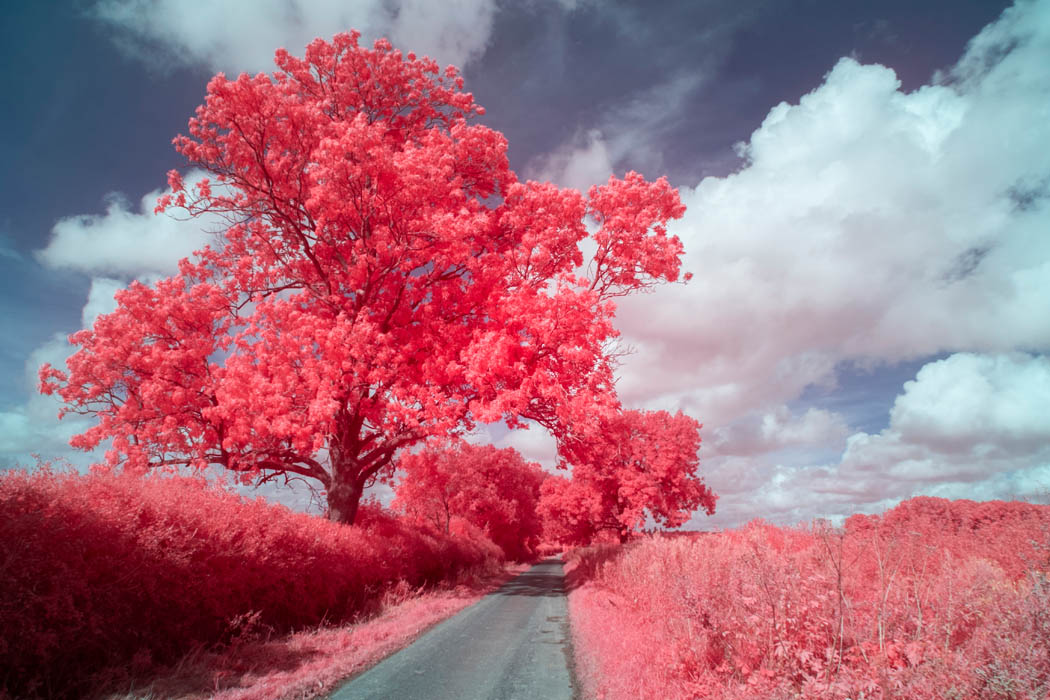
[{"x": 867, "y": 189}]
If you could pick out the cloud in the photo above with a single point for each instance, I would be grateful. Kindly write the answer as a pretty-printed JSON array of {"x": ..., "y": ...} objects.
[
  {"x": 113, "y": 248},
  {"x": 969, "y": 426},
  {"x": 776, "y": 430},
  {"x": 534, "y": 444},
  {"x": 584, "y": 161},
  {"x": 865, "y": 225},
  {"x": 100, "y": 299},
  {"x": 33, "y": 427},
  {"x": 124, "y": 242},
  {"x": 8, "y": 249},
  {"x": 625, "y": 139},
  {"x": 640, "y": 104},
  {"x": 222, "y": 36},
  {"x": 450, "y": 32},
  {"x": 968, "y": 401},
  {"x": 963, "y": 422}
]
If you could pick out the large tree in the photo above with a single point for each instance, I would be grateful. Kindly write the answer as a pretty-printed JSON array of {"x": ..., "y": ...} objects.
[
  {"x": 383, "y": 278},
  {"x": 635, "y": 467}
]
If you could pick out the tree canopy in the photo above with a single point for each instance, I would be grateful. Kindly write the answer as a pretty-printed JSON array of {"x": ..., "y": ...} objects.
[
  {"x": 495, "y": 490},
  {"x": 383, "y": 278},
  {"x": 636, "y": 466}
]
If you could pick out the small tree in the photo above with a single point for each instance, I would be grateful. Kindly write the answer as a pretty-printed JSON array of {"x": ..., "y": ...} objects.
[
  {"x": 570, "y": 511},
  {"x": 639, "y": 465},
  {"x": 495, "y": 490},
  {"x": 384, "y": 279}
]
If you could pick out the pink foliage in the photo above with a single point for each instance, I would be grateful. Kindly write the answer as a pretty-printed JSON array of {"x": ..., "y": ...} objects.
[
  {"x": 384, "y": 279},
  {"x": 100, "y": 571},
  {"x": 494, "y": 490},
  {"x": 631, "y": 466},
  {"x": 935, "y": 599}
]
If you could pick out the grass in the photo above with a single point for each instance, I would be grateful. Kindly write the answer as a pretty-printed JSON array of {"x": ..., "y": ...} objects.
[{"x": 933, "y": 600}]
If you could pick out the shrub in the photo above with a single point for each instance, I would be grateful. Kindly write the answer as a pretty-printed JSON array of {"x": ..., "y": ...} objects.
[{"x": 101, "y": 570}]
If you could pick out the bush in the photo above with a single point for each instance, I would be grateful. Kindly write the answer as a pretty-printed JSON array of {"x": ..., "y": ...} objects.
[{"x": 101, "y": 571}]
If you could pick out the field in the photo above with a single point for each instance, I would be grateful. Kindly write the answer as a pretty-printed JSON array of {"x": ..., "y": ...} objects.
[
  {"x": 934, "y": 599},
  {"x": 124, "y": 587}
]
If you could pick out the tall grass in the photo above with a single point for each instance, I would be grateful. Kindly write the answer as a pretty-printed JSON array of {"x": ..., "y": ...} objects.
[
  {"x": 933, "y": 600},
  {"x": 101, "y": 571}
]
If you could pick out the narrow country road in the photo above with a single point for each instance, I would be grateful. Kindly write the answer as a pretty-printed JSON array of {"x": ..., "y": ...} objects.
[{"x": 514, "y": 643}]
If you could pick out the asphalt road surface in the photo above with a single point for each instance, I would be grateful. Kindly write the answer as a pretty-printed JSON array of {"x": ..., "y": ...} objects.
[{"x": 514, "y": 643}]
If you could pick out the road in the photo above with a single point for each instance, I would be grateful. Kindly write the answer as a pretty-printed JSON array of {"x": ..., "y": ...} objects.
[{"x": 514, "y": 643}]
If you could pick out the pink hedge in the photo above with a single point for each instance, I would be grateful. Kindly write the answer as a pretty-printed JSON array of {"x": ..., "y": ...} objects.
[{"x": 100, "y": 571}]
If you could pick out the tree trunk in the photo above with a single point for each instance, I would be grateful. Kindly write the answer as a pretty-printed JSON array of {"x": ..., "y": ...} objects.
[{"x": 344, "y": 496}]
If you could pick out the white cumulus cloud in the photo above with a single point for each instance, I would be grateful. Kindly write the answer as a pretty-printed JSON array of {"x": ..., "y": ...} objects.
[
  {"x": 971, "y": 426},
  {"x": 127, "y": 241},
  {"x": 100, "y": 299},
  {"x": 113, "y": 248},
  {"x": 866, "y": 225},
  {"x": 968, "y": 401},
  {"x": 963, "y": 424},
  {"x": 33, "y": 427},
  {"x": 242, "y": 36}
]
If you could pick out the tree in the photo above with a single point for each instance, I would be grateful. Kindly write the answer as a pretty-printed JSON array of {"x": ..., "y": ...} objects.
[
  {"x": 492, "y": 489},
  {"x": 639, "y": 465},
  {"x": 570, "y": 511},
  {"x": 384, "y": 278}
]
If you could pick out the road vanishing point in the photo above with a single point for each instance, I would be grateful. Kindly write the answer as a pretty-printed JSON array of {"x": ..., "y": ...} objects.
[{"x": 514, "y": 643}]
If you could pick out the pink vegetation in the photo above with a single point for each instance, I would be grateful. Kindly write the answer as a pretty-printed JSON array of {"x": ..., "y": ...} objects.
[
  {"x": 626, "y": 469},
  {"x": 934, "y": 599},
  {"x": 460, "y": 486},
  {"x": 309, "y": 663},
  {"x": 101, "y": 571},
  {"x": 385, "y": 279}
]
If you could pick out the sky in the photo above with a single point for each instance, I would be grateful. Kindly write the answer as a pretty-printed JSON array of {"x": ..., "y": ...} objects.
[{"x": 868, "y": 211}]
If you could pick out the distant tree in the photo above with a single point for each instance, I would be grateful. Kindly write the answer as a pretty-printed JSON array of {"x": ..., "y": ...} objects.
[
  {"x": 384, "y": 278},
  {"x": 639, "y": 465},
  {"x": 569, "y": 510},
  {"x": 494, "y": 490}
]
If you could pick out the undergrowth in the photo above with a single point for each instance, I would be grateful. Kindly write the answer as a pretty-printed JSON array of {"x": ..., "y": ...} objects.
[
  {"x": 935, "y": 599},
  {"x": 103, "y": 572}
]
